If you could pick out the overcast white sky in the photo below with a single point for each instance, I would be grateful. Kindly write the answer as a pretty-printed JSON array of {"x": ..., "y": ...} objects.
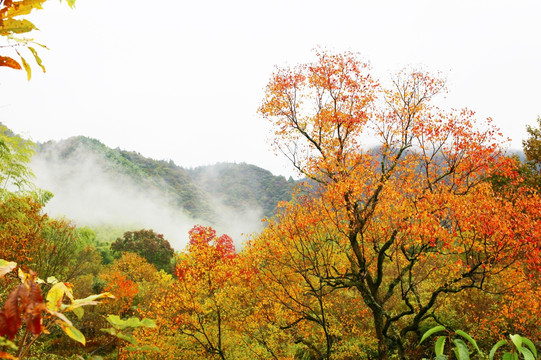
[{"x": 182, "y": 80}]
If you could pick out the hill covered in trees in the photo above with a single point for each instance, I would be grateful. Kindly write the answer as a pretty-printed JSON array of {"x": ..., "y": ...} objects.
[{"x": 94, "y": 184}]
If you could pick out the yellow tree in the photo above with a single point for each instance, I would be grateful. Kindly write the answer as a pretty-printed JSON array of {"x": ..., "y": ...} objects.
[
  {"x": 412, "y": 217},
  {"x": 195, "y": 315},
  {"x": 291, "y": 269}
]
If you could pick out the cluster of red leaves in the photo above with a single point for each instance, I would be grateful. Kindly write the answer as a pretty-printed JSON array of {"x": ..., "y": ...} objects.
[
  {"x": 209, "y": 250},
  {"x": 201, "y": 236},
  {"x": 24, "y": 303}
]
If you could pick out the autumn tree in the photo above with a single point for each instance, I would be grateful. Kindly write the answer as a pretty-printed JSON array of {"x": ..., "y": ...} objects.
[
  {"x": 195, "y": 313},
  {"x": 21, "y": 224},
  {"x": 292, "y": 284},
  {"x": 127, "y": 278},
  {"x": 64, "y": 252},
  {"x": 408, "y": 221},
  {"x": 148, "y": 244},
  {"x": 21, "y": 204}
]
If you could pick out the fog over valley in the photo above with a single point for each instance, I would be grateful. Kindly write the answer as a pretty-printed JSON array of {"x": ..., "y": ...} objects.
[{"x": 94, "y": 186}]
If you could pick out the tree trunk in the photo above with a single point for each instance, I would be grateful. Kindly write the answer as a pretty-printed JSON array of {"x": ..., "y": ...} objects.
[{"x": 383, "y": 349}]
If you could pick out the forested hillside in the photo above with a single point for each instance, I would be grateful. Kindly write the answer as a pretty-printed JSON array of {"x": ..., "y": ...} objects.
[
  {"x": 95, "y": 184},
  {"x": 243, "y": 186}
]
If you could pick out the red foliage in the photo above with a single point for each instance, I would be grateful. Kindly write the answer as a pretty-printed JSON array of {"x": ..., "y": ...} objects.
[
  {"x": 208, "y": 249},
  {"x": 24, "y": 303}
]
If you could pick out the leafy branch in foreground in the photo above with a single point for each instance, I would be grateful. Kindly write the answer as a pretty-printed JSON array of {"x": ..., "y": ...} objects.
[
  {"x": 12, "y": 25},
  {"x": 123, "y": 330},
  {"x": 25, "y": 305},
  {"x": 521, "y": 348}
]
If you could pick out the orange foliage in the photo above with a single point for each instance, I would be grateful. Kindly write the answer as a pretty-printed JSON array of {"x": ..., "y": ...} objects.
[
  {"x": 196, "y": 308},
  {"x": 382, "y": 241},
  {"x": 123, "y": 289},
  {"x": 127, "y": 279},
  {"x": 21, "y": 223},
  {"x": 406, "y": 222}
]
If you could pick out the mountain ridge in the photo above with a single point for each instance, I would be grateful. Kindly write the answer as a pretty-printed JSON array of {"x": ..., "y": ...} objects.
[{"x": 93, "y": 183}]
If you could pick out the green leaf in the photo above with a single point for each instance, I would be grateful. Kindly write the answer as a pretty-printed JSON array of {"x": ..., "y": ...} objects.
[
  {"x": 440, "y": 345},
  {"x": 38, "y": 60},
  {"x": 120, "y": 335},
  {"x": 441, "y": 357},
  {"x": 496, "y": 346},
  {"x": 132, "y": 322},
  {"x": 461, "y": 350},
  {"x": 127, "y": 337},
  {"x": 429, "y": 332},
  {"x": 469, "y": 338},
  {"x": 507, "y": 356},
  {"x": 79, "y": 312},
  {"x": 8, "y": 343},
  {"x": 527, "y": 354},
  {"x": 149, "y": 323},
  {"x": 74, "y": 333},
  {"x": 530, "y": 344},
  {"x": 517, "y": 340},
  {"x": 110, "y": 331},
  {"x": 116, "y": 321}
]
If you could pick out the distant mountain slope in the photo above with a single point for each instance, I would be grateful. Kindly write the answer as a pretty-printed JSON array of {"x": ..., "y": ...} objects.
[
  {"x": 175, "y": 183},
  {"x": 93, "y": 183},
  {"x": 81, "y": 154},
  {"x": 244, "y": 186}
]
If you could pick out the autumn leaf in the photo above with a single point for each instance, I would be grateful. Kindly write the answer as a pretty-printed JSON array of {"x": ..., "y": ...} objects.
[
  {"x": 73, "y": 333},
  {"x": 14, "y": 26},
  {"x": 24, "y": 7},
  {"x": 9, "y": 62},
  {"x": 6, "y": 267}
]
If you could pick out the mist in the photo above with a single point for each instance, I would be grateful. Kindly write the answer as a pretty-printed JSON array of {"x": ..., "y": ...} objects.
[{"x": 87, "y": 192}]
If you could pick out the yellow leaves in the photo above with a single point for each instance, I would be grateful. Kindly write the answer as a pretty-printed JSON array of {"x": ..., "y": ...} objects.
[
  {"x": 57, "y": 308},
  {"x": 6, "y": 267},
  {"x": 320, "y": 106},
  {"x": 73, "y": 332},
  {"x": 71, "y": 3},
  {"x": 15, "y": 26},
  {"x": 37, "y": 58},
  {"x": 11, "y": 24},
  {"x": 56, "y": 294},
  {"x": 24, "y": 7}
]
